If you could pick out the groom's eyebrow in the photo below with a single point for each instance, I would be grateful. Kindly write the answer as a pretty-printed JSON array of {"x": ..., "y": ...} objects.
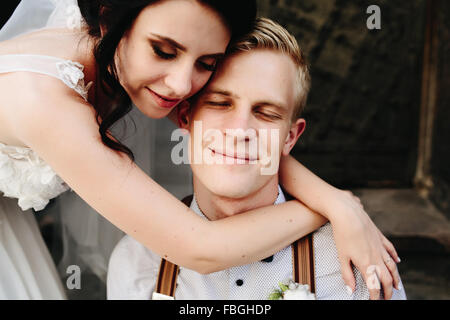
[
  {"x": 281, "y": 107},
  {"x": 222, "y": 93}
]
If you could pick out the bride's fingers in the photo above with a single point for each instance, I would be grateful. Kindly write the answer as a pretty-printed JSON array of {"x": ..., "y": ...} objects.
[
  {"x": 389, "y": 248},
  {"x": 391, "y": 259},
  {"x": 348, "y": 276},
  {"x": 377, "y": 277},
  {"x": 392, "y": 267},
  {"x": 372, "y": 282},
  {"x": 386, "y": 280}
]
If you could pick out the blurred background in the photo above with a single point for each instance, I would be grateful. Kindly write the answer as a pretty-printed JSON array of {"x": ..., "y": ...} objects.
[{"x": 377, "y": 124}]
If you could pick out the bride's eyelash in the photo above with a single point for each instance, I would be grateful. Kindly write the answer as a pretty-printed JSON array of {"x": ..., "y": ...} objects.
[
  {"x": 163, "y": 55},
  {"x": 208, "y": 67},
  {"x": 169, "y": 56}
]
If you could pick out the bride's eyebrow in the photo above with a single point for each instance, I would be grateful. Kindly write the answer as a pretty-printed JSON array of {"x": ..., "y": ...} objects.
[
  {"x": 179, "y": 46},
  {"x": 170, "y": 41}
]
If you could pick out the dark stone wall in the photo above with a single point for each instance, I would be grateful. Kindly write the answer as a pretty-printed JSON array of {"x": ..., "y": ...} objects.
[
  {"x": 441, "y": 141},
  {"x": 363, "y": 110}
]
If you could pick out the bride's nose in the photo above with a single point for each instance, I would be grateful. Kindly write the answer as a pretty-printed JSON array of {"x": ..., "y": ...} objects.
[{"x": 179, "y": 80}]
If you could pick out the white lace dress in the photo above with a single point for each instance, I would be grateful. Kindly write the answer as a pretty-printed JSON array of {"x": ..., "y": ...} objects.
[
  {"x": 26, "y": 268},
  {"x": 27, "y": 182}
]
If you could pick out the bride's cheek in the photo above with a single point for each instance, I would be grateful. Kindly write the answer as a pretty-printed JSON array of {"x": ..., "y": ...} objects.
[{"x": 199, "y": 83}]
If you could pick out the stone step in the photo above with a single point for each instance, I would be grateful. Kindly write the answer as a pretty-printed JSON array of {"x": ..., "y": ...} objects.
[{"x": 411, "y": 222}]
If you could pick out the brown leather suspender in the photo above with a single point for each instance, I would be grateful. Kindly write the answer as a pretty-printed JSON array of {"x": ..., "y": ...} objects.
[
  {"x": 303, "y": 262},
  {"x": 167, "y": 278},
  {"x": 302, "y": 266},
  {"x": 168, "y": 272}
]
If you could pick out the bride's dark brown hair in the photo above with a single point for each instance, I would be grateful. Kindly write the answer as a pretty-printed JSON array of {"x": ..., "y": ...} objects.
[{"x": 117, "y": 16}]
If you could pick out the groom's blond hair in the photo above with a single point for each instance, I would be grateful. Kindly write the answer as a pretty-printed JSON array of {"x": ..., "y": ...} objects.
[{"x": 267, "y": 34}]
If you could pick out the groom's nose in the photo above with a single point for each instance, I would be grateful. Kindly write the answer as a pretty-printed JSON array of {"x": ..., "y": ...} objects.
[
  {"x": 239, "y": 118},
  {"x": 239, "y": 127}
]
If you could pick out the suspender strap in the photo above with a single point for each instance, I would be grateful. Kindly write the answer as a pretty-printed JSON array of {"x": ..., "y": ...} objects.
[
  {"x": 167, "y": 278},
  {"x": 303, "y": 261},
  {"x": 303, "y": 258},
  {"x": 168, "y": 272},
  {"x": 302, "y": 265}
]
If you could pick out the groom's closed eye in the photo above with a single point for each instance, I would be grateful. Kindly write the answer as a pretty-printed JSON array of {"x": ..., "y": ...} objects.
[
  {"x": 218, "y": 103},
  {"x": 267, "y": 114}
]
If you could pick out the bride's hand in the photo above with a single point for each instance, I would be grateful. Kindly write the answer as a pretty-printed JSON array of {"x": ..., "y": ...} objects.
[{"x": 359, "y": 242}]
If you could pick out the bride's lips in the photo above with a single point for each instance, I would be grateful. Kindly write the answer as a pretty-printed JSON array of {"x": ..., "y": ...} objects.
[{"x": 162, "y": 101}]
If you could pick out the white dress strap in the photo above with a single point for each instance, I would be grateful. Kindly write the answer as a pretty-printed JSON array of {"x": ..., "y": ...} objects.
[{"x": 69, "y": 72}]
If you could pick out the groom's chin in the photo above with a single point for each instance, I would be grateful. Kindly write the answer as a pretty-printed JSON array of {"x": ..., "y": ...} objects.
[
  {"x": 234, "y": 182},
  {"x": 234, "y": 189},
  {"x": 232, "y": 193}
]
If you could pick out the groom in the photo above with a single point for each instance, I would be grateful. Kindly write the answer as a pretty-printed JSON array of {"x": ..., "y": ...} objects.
[{"x": 254, "y": 100}]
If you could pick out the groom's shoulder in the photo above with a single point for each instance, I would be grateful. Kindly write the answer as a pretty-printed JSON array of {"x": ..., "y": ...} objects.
[
  {"x": 130, "y": 251},
  {"x": 132, "y": 271},
  {"x": 131, "y": 254}
]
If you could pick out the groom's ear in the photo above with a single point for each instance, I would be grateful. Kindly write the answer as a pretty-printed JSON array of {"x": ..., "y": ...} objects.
[
  {"x": 295, "y": 132},
  {"x": 183, "y": 115}
]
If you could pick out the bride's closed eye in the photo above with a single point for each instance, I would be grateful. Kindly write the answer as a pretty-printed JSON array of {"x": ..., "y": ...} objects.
[
  {"x": 163, "y": 54},
  {"x": 210, "y": 62},
  {"x": 211, "y": 66}
]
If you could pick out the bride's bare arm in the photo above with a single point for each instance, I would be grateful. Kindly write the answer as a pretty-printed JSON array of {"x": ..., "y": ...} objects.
[
  {"x": 65, "y": 134},
  {"x": 358, "y": 240}
]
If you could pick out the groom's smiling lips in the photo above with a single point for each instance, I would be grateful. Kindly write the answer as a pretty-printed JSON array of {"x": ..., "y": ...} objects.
[{"x": 236, "y": 156}]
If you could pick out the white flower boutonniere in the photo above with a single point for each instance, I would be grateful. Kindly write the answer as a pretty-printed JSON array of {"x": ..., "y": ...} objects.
[{"x": 292, "y": 291}]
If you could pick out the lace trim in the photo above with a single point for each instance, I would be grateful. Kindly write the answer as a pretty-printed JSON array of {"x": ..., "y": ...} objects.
[
  {"x": 71, "y": 73},
  {"x": 33, "y": 184}
]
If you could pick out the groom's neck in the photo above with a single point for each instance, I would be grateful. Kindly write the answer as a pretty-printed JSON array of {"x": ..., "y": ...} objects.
[{"x": 215, "y": 206}]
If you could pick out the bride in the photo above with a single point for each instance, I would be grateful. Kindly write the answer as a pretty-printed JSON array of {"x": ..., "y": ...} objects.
[{"x": 69, "y": 70}]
